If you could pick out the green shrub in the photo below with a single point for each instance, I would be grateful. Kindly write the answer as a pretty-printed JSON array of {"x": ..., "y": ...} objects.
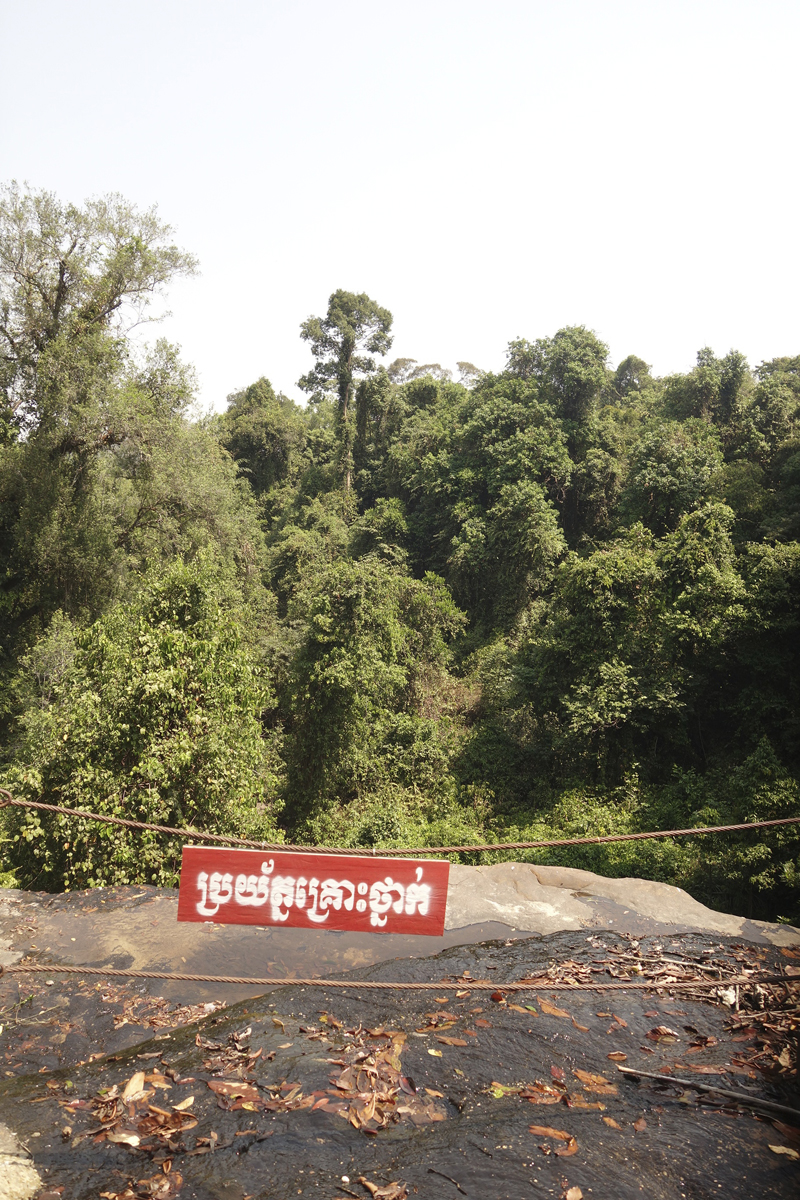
[{"x": 154, "y": 714}]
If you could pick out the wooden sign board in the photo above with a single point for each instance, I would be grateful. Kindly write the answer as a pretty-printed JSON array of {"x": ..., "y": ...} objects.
[{"x": 313, "y": 891}]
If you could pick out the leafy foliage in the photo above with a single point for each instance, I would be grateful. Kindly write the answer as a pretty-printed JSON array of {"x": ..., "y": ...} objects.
[
  {"x": 559, "y": 599},
  {"x": 153, "y": 712}
]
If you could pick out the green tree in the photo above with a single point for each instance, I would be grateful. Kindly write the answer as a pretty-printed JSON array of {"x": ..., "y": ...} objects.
[
  {"x": 67, "y": 272},
  {"x": 343, "y": 341},
  {"x": 375, "y": 646},
  {"x": 123, "y": 476},
  {"x": 152, "y": 712},
  {"x": 570, "y": 368},
  {"x": 631, "y": 376},
  {"x": 670, "y": 473},
  {"x": 264, "y": 433}
]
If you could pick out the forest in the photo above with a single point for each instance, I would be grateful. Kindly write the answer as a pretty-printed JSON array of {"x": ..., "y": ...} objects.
[{"x": 421, "y": 608}]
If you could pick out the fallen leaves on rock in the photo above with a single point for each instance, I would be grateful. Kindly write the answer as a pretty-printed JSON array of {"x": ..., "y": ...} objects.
[
  {"x": 552, "y": 1010},
  {"x": 371, "y": 1091},
  {"x": 663, "y": 1033},
  {"x": 125, "y": 1117},
  {"x": 157, "y": 1187},
  {"x": 596, "y": 1083},
  {"x": 394, "y": 1191},
  {"x": 560, "y": 1135}
]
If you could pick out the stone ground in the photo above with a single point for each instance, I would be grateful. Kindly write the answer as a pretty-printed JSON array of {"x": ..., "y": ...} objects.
[{"x": 464, "y": 1079}]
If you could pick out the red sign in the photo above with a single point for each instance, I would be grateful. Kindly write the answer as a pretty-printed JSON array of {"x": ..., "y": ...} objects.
[{"x": 313, "y": 891}]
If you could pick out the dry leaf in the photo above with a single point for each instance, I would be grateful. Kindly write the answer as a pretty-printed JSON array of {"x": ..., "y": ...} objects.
[
  {"x": 481, "y": 1024},
  {"x": 433, "y": 1092},
  {"x": 573, "y": 1193},
  {"x": 134, "y": 1087},
  {"x": 158, "y": 1080},
  {"x": 395, "y": 1191},
  {"x": 560, "y": 1135},
  {"x": 435, "y": 1053},
  {"x": 662, "y": 1033},
  {"x": 233, "y": 1090},
  {"x": 551, "y": 1009},
  {"x": 640, "y": 1125},
  {"x": 617, "y": 1056},
  {"x": 518, "y": 1008},
  {"x": 440, "y": 999},
  {"x": 583, "y": 1028},
  {"x": 569, "y": 1149},
  {"x": 588, "y": 1077},
  {"x": 789, "y": 1131},
  {"x": 125, "y": 1137},
  {"x": 184, "y": 1104},
  {"x": 461, "y": 995},
  {"x": 542, "y": 1093},
  {"x": 451, "y": 1041},
  {"x": 610, "y": 1121},
  {"x": 499, "y": 1090},
  {"x": 785, "y": 1150}
]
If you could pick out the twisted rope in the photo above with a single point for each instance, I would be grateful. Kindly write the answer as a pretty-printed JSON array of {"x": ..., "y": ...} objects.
[
  {"x": 225, "y": 839},
  {"x": 540, "y": 983}
]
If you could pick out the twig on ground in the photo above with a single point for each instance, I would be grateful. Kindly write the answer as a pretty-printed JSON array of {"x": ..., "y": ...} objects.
[
  {"x": 433, "y": 1171},
  {"x": 740, "y": 1097}
]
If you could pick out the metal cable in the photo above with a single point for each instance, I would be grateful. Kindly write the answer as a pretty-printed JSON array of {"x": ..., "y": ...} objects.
[
  {"x": 394, "y": 852},
  {"x": 540, "y": 983}
]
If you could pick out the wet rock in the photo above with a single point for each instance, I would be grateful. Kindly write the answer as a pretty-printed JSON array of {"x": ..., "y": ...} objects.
[{"x": 507, "y": 1099}]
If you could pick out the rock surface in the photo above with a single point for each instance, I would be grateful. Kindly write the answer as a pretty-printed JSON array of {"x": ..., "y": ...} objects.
[
  {"x": 277, "y": 1096},
  {"x": 19, "y": 1180},
  {"x": 64, "y": 1038},
  {"x": 547, "y": 899}
]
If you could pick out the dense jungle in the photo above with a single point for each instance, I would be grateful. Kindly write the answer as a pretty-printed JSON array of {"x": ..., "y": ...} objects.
[{"x": 421, "y": 608}]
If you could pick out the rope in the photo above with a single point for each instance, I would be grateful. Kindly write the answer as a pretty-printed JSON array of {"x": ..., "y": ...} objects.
[
  {"x": 540, "y": 983},
  {"x": 375, "y": 851}
]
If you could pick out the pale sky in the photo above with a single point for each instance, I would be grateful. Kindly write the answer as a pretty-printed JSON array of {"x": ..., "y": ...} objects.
[{"x": 485, "y": 171}]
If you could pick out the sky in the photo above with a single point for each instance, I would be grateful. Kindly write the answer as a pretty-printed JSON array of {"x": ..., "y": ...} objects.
[{"x": 486, "y": 171}]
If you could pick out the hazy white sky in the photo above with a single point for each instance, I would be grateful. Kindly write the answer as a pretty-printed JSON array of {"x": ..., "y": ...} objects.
[{"x": 484, "y": 170}]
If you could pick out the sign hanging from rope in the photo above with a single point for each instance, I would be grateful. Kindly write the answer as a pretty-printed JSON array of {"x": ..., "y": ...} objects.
[{"x": 313, "y": 891}]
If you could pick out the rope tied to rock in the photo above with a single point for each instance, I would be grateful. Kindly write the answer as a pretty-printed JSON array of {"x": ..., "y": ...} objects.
[{"x": 376, "y": 851}]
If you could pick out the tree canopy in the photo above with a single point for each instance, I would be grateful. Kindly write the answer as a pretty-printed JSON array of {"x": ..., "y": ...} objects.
[
  {"x": 343, "y": 342},
  {"x": 429, "y": 606}
]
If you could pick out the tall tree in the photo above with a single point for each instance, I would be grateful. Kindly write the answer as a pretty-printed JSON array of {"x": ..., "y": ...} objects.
[
  {"x": 67, "y": 273},
  {"x": 342, "y": 342}
]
